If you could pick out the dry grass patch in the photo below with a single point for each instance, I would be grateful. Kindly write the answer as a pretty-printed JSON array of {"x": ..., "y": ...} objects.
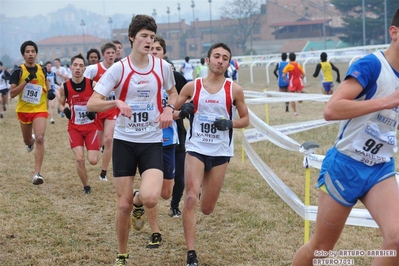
[{"x": 56, "y": 224}]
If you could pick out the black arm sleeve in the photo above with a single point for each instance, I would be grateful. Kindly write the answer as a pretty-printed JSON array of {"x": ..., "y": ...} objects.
[
  {"x": 180, "y": 81},
  {"x": 276, "y": 70},
  {"x": 65, "y": 90},
  {"x": 6, "y": 75},
  {"x": 15, "y": 75},
  {"x": 317, "y": 70}
]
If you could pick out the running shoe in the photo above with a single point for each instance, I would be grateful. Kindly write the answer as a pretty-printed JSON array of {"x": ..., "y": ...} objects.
[
  {"x": 121, "y": 259},
  {"x": 175, "y": 212},
  {"x": 37, "y": 179},
  {"x": 87, "y": 190},
  {"x": 138, "y": 215},
  {"x": 4, "y": 108},
  {"x": 155, "y": 241},
  {"x": 192, "y": 259},
  {"x": 103, "y": 178},
  {"x": 52, "y": 121},
  {"x": 30, "y": 148}
]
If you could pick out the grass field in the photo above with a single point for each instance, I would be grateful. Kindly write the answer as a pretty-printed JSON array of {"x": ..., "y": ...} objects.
[{"x": 55, "y": 224}]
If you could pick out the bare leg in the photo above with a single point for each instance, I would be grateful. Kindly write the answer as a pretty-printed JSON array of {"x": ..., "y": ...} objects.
[
  {"x": 331, "y": 218},
  {"x": 193, "y": 175},
  {"x": 80, "y": 165},
  {"x": 382, "y": 201},
  {"x": 39, "y": 128},
  {"x": 124, "y": 193}
]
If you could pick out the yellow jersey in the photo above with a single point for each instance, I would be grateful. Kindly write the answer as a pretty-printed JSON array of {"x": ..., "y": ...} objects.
[{"x": 33, "y": 98}]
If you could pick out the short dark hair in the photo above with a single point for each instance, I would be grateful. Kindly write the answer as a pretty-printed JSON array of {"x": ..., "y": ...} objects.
[
  {"x": 187, "y": 59},
  {"x": 93, "y": 50},
  {"x": 217, "y": 45},
  {"x": 48, "y": 62},
  {"x": 161, "y": 41},
  {"x": 395, "y": 19},
  {"x": 28, "y": 43},
  {"x": 283, "y": 56},
  {"x": 106, "y": 46},
  {"x": 202, "y": 60},
  {"x": 116, "y": 42},
  {"x": 57, "y": 59},
  {"x": 78, "y": 56},
  {"x": 323, "y": 57},
  {"x": 140, "y": 22},
  {"x": 1, "y": 63},
  {"x": 292, "y": 56}
]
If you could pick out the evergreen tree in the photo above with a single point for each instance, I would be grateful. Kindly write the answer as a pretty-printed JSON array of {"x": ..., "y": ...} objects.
[{"x": 374, "y": 20}]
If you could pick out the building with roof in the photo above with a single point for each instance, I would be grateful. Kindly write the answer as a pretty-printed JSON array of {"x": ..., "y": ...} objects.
[
  {"x": 284, "y": 26},
  {"x": 65, "y": 47}
]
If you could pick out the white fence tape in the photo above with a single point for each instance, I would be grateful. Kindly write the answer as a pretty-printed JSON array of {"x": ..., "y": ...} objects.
[
  {"x": 263, "y": 131},
  {"x": 359, "y": 217}
]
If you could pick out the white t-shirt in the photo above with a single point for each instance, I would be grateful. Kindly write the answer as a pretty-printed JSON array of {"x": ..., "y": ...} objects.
[
  {"x": 62, "y": 71},
  {"x": 144, "y": 95}
]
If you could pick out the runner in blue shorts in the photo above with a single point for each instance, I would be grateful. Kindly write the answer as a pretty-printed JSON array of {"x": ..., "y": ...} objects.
[{"x": 360, "y": 166}]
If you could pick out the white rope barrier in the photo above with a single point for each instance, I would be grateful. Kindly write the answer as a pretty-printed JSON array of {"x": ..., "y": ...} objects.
[{"x": 262, "y": 131}]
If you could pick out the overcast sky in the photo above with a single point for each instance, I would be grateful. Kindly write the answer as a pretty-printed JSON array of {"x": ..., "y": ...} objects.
[{"x": 18, "y": 8}]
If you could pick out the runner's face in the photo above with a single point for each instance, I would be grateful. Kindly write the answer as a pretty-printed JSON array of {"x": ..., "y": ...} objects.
[
  {"x": 109, "y": 56},
  {"x": 93, "y": 58},
  {"x": 30, "y": 54},
  {"x": 219, "y": 60},
  {"x": 78, "y": 68},
  {"x": 48, "y": 67},
  {"x": 143, "y": 41},
  {"x": 157, "y": 50},
  {"x": 118, "y": 53}
]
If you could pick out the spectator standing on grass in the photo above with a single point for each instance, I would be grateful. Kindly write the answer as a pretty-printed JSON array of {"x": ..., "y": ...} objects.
[
  {"x": 93, "y": 56},
  {"x": 360, "y": 165},
  {"x": 82, "y": 129},
  {"x": 105, "y": 120},
  {"x": 137, "y": 80},
  {"x": 209, "y": 140},
  {"x": 327, "y": 79},
  {"x": 4, "y": 78},
  {"x": 28, "y": 81},
  {"x": 187, "y": 69},
  {"x": 295, "y": 76},
  {"x": 282, "y": 82}
]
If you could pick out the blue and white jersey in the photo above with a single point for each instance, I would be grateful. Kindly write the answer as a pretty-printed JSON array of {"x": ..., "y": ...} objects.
[
  {"x": 371, "y": 138},
  {"x": 3, "y": 82},
  {"x": 51, "y": 78},
  {"x": 281, "y": 81},
  {"x": 170, "y": 136}
]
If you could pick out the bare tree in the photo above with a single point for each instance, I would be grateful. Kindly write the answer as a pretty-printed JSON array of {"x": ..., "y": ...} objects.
[{"x": 246, "y": 17}]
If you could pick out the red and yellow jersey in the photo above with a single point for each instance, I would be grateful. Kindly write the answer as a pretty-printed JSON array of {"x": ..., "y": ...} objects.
[{"x": 33, "y": 98}]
